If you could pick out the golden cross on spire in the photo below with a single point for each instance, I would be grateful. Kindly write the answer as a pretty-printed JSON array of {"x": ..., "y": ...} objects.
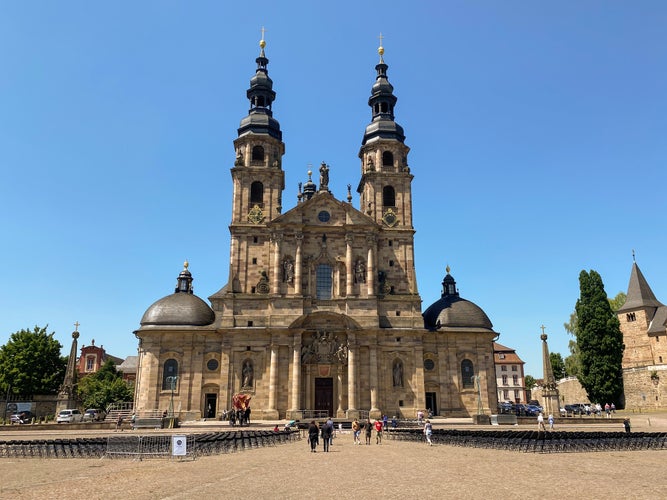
[
  {"x": 76, "y": 326},
  {"x": 262, "y": 43},
  {"x": 381, "y": 48},
  {"x": 543, "y": 328}
]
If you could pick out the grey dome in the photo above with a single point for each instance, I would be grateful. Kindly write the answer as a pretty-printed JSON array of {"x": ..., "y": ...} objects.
[
  {"x": 179, "y": 309},
  {"x": 453, "y": 311},
  {"x": 182, "y": 307}
]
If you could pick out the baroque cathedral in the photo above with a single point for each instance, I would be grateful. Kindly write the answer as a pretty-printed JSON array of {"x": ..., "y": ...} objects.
[{"x": 320, "y": 314}]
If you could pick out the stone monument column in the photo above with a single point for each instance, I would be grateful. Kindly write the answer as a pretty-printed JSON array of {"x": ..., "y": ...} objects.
[
  {"x": 550, "y": 389},
  {"x": 67, "y": 394},
  {"x": 340, "y": 413},
  {"x": 349, "y": 276},
  {"x": 296, "y": 376},
  {"x": 298, "y": 265},
  {"x": 272, "y": 412},
  {"x": 352, "y": 376}
]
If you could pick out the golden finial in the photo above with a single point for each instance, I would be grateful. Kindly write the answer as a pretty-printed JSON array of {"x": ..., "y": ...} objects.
[
  {"x": 185, "y": 265},
  {"x": 381, "y": 48},
  {"x": 262, "y": 42},
  {"x": 447, "y": 269}
]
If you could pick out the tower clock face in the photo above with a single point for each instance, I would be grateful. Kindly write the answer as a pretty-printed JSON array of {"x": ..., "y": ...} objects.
[{"x": 324, "y": 216}]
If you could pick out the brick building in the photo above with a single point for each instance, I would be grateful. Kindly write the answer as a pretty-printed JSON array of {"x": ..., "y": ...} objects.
[{"x": 644, "y": 326}]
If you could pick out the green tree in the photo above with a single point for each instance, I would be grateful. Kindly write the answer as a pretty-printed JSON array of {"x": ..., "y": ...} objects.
[
  {"x": 30, "y": 363},
  {"x": 572, "y": 362},
  {"x": 600, "y": 341},
  {"x": 529, "y": 380},
  {"x": 106, "y": 386},
  {"x": 557, "y": 365}
]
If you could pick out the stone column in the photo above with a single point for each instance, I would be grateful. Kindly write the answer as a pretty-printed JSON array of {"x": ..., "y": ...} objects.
[
  {"x": 375, "y": 411},
  {"x": 298, "y": 265},
  {"x": 340, "y": 413},
  {"x": 272, "y": 412},
  {"x": 352, "y": 376},
  {"x": 277, "y": 239},
  {"x": 420, "y": 402},
  {"x": 349, "y": 266},
  {"x": 370, "y": 279},
  {"x": 296, "y": 377},
  {"x": 226, "y": 371}
]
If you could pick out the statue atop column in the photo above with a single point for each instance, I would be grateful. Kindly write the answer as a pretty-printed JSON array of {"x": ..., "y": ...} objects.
[{"x": 324, "y": 177}]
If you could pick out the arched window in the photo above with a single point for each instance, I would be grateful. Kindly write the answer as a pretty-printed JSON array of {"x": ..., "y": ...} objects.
[
  {"x": 387, "y": 159},
  {"x": 388, "y": 196},
  {"x": 257, "y": 153},
  {"x": 324, "y": 281},
  {"x": 256, "y": 192},
  {"x": 467, "y": 374},
  {"x": 170, "y": 370}
]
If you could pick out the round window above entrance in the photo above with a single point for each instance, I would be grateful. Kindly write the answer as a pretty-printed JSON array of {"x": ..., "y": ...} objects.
[
  {"x": 324, "y": 216},
  {"x": 212, "y": 364},
  {"x": 429, "y": 364}
]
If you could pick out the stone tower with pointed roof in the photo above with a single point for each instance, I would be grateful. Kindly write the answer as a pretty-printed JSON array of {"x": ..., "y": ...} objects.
[
  {"x": 320, "y": 314},
  {"x": 643, "y": 320}
]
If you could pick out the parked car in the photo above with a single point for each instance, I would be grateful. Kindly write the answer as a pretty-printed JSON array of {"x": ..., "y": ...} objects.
[
  {"x": 506, "y": 407},
  {"x": 23, "y": 417},
  {"x": 575, "y": 409},
  {"x": 94, "y": 415},
  {"x": 69, "y": 416},
  {"x": 533, "y": 411},
  {"x": 520, "y": 409}
]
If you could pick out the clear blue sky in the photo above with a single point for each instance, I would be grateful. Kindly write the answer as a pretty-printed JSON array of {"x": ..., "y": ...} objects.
[{"x": 537, "y": 134}]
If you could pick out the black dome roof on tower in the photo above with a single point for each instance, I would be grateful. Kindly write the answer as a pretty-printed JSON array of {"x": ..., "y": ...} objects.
[
  {"x": 182, "y": 308},
  {"x": 260, "y": 118},
  {"x": 453, "y": 311},
  {"x": 382, "y": 102}
]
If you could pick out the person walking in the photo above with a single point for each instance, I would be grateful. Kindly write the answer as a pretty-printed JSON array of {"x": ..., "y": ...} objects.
[
  {"x": 368, "y": 427},
  {"x": 540, "y": 422},
  {"x": 428, "y": 430},
  {"x": 313, "y": 432},
  {"x": 356, "y": 430},
  {"x": 326, "y": 436},
  {"x": 378, "y": 431},
  {"x": 551, "y": 422}
]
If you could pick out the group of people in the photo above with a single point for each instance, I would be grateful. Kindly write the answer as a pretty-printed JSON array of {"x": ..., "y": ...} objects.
[
  {"x": 237, "y": 416},
  {"x": 379, "y": 426},
  {"x": 325, "y": 431}
]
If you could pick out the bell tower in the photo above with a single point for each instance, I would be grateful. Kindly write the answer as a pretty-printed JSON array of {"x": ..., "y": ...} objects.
[
  {"x": 385, "y": 187},
  {"x": 258, "y": 181}
]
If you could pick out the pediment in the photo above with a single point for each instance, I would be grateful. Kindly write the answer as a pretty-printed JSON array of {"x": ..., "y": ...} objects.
[{"x": 323, "y": 210}]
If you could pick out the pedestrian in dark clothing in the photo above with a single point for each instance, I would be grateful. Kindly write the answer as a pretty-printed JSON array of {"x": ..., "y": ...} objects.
[
  {"x": 313, "y": 432},
  {"x": 326, "y": 436},
  {"x": 626, "y": 424}
]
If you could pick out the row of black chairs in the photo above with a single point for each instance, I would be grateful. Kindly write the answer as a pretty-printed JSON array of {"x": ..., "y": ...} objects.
[
  {"x": 97, "y": 447},
  {"x": 540, "y": 441}
]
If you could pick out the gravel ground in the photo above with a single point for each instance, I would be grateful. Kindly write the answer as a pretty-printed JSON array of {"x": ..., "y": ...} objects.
[{"x": 394, "y": 469}]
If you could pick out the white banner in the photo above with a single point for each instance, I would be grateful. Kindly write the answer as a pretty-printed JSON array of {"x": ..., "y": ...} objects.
[{"x": 178, "y": 446}]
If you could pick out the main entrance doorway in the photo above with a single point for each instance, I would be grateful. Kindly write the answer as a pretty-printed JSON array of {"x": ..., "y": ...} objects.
[
  {"x": 210, "y": 405},
  {"x": 431, "y": 403},
  {"x": 324, "y": 395}
]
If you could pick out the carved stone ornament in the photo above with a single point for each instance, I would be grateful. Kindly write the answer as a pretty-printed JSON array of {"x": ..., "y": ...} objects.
[
  {"x": 263, "y": 283},
  {"x": 325, "y": 348},
  {"x": 256, "y": 216},
  {"x": 389, "y": 218}
]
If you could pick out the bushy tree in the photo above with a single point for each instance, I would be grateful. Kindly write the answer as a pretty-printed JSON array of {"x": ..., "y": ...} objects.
[
  {"x": 529, "y": 380},
  {"x": 599, "y": 340},
  {"x": 106, "y": 386},
  {"x": 557, "y": 365},
  {"x": 572, "y": 362},
  {"x": 30, "y": 363}
]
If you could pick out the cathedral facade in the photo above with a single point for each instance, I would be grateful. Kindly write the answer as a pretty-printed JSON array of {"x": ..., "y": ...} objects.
[{"x": 321, "y": 313}]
